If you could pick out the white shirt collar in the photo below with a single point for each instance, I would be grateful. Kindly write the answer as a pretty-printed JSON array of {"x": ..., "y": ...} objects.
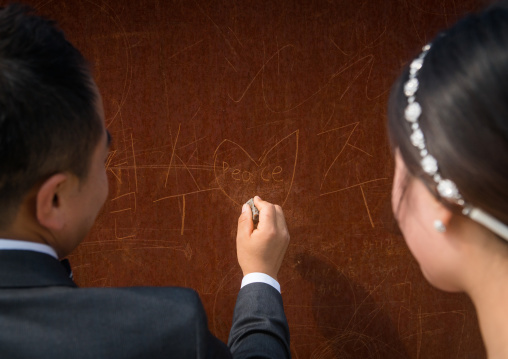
[{"x": 14, "y": 244}]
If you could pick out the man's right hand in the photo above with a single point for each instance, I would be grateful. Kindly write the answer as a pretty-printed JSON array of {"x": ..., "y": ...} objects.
[{"x": 262, "y": 249}]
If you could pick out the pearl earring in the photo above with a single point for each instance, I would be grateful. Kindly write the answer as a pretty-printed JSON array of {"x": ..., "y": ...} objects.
[{"x": 439, "y": 226}]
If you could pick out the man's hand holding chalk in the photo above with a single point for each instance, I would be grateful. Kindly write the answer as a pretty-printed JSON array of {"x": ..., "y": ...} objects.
[{"x": 262, "y": 249}]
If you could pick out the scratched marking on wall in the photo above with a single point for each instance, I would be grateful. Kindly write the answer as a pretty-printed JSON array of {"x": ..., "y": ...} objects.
[
  {"x": 240, "y": 177},
  {"x": 121, "y": 163},
  {"x": 345, "y": 175}
]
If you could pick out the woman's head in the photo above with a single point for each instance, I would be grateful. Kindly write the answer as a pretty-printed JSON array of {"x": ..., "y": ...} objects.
[{"x": 463, "y": 93}]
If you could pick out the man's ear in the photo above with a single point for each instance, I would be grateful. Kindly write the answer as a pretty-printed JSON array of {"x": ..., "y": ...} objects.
[{"x": 48, "y": 203}]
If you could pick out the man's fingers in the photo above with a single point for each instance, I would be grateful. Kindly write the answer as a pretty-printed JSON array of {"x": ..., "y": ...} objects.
[
  {"x": 266, "y": 213},
  {"x": 245, "y": 223},
  {"x": 281, "y": 220}
]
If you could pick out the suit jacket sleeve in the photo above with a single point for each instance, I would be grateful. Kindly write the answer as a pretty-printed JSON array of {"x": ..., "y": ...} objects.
[{"x": 260, "y": 328}]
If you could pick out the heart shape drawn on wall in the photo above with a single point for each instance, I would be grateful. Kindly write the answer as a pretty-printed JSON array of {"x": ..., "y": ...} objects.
[{"x": 240, "y": 177}]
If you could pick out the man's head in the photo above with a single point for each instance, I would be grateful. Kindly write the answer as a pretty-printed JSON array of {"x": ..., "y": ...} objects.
[{"x": 51, "y": 129}]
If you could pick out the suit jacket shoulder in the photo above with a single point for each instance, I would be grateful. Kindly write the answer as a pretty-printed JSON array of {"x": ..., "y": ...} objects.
[{"x": 51, "y": 318}]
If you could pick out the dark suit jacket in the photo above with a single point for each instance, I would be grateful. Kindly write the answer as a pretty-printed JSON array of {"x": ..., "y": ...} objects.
[{"x": 44, "y": 315}]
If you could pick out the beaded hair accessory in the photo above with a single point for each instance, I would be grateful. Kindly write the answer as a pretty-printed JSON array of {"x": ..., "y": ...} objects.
[{"x": 446, "y": 188}]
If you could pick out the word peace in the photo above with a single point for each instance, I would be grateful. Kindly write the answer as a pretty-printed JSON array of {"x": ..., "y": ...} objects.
[{"x": 267, "y": 175}]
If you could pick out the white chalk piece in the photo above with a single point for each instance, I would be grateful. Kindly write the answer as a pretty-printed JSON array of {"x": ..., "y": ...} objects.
[{"x": 255, "y": 211}]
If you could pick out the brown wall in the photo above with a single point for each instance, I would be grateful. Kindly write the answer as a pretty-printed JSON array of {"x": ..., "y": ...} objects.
[{"x": 212, "y": 102}]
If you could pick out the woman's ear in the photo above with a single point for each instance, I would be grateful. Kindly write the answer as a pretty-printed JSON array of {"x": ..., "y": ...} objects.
[
  {"x": 49, "y": 209},
  {"x": 445, "y": 215}
]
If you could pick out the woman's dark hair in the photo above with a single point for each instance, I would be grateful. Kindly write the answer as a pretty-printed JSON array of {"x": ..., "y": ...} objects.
[
  {"x": 463, "y": 93},
  {"x": 48, "y": 117}
]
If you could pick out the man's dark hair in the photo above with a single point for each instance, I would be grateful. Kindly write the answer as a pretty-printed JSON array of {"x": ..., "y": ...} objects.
[
  {"x": 48, "y": 117},
  {"x": 464, "y": 96}
]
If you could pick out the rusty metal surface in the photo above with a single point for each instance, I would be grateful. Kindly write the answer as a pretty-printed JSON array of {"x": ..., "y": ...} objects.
[{"x": 212, "y": 102}]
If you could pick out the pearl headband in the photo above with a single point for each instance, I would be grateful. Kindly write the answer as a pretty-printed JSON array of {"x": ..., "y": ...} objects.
[{"x": 445, "y": 187}]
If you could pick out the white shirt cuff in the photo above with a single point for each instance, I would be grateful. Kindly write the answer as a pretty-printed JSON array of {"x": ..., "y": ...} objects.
[{"x": 257, "y": 277}]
